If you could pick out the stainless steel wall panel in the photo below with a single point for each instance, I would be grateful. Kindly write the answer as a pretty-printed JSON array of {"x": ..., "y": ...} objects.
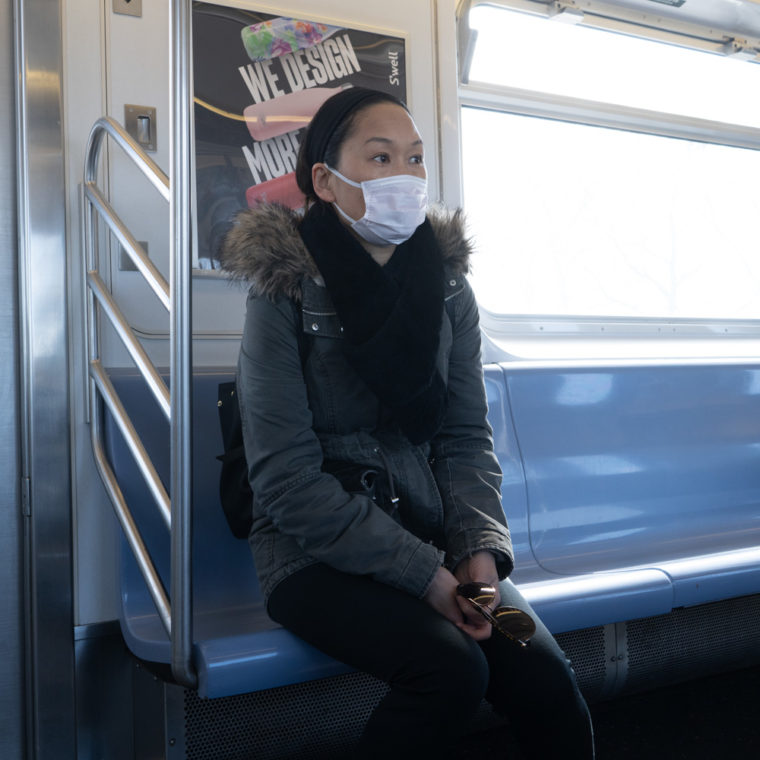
[
  {"x": 11, "y": 527},
  {"x": 44, "y": 406}
]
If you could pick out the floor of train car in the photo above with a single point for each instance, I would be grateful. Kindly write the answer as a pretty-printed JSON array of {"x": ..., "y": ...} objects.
[{"x": 715, "y": 717}]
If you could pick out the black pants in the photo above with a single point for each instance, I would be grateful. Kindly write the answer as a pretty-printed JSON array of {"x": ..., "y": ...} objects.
[{"x": 437, "y": 674}]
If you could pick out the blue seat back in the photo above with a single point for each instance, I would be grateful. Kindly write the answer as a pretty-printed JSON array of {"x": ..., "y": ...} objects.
[{"x": 637, "y": 465}]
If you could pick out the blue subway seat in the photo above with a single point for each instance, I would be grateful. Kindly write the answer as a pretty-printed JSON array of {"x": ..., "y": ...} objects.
[
  {"x": 629, "y": 491},
  {"x": 237, "y": 648},
  {"x": 636, "y": 472}
]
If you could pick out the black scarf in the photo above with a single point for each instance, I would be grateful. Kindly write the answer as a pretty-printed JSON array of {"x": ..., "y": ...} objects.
[{"x": 391, "y": 317}]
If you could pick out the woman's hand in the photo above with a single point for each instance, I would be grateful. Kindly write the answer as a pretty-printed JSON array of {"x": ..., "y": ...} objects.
[
  {"x": 480, "y": 568},
  {"x": 442, "y": 597}
]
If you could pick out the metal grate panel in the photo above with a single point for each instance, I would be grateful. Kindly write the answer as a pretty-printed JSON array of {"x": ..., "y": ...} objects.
[
  {"x": 306, "y": 721},
  {"x": 693, "y": 641},
  {"x": 586, "y": 651},
  {"x": 321, "y": 720}
]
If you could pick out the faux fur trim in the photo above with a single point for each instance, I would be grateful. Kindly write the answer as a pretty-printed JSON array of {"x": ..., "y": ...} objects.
[
  {"x": 449, "y": 228},
  {"x": 265, "y": 249}
]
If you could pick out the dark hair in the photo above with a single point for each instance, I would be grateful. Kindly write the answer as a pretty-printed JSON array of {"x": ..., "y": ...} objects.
[{"x": 329, "y": 129}]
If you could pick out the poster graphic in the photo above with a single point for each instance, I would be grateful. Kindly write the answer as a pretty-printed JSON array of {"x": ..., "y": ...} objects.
[{"x": 258, "y": 81}]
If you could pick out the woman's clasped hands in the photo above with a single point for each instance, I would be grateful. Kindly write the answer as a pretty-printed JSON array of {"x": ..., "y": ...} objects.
[{"x": 442, "y": 594}]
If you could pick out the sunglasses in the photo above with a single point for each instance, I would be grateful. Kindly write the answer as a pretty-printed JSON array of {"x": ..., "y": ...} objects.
[{"x": 516, "y": 625}]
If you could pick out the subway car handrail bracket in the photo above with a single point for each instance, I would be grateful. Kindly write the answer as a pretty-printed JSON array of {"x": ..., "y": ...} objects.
[{"x": 100, "y": 301}]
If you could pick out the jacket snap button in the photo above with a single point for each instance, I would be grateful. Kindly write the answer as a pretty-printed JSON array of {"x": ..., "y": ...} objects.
[
  {"x": 314, "y": 326},
  {"x": 452, "y": 283}
]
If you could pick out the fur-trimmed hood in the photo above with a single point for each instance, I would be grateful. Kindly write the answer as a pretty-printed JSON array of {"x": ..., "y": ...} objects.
[{"x": 265, "y": 248}]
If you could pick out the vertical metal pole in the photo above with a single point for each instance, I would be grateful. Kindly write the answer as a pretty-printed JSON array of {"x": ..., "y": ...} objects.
[
  {"x": 181, "y": 346},
  {"x": 91, "y": 263},
  {"x": 12, "y": 501}
]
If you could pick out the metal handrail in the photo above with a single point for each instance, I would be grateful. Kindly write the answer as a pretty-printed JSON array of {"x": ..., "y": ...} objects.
[
  {"x": 132, "y": 533},
  {"x": 136, "y": 252},
  {"x": 109, "y": 395},
  {"x": 148, "y": 370},
  {"x": 98, "y": 381},
  {"x": 181, "y": 345},
  {"x": 107, "y": 126},
  {"x": 177, "y": 405}
]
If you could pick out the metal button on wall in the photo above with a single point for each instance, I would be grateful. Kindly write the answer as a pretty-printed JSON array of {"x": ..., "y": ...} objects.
[
  {"x": 140, "y": 123},
  {"x": 128, "y": 7}
]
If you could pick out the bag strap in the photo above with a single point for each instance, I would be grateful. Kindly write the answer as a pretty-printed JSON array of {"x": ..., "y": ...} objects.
[{"x": 451, "y": 311}]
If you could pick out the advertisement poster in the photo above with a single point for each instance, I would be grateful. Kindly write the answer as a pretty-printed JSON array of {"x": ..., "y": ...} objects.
[{"x": 258, "y": 81}]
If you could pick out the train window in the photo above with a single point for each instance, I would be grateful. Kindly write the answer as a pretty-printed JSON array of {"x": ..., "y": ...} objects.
[
  {"x": 588, "y": 220},
  {"x": 523, "y": 50},
  {"x": 609, "y": 179}
]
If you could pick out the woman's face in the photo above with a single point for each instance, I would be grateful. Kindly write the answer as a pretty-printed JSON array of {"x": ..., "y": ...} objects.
[{"x": 383, "y": 142}]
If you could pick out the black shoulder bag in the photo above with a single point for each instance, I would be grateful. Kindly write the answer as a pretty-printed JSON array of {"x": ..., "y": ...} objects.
[{"x": 234, "y": 489}]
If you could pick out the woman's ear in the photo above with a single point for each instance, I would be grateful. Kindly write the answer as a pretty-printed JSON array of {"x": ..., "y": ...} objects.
[{"x": 322, "y": 179}]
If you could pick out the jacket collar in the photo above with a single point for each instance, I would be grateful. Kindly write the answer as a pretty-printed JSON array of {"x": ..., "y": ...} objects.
[
  {"x": 265, "y": 249},
  {"x": 319, "y": 315}
]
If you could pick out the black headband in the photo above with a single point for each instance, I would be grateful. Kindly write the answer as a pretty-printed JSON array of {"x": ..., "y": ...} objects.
[{"x": 330, "y": 116}]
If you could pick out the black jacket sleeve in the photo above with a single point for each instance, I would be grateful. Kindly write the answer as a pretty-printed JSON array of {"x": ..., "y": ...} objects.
[{"x": 464, "y": 463}]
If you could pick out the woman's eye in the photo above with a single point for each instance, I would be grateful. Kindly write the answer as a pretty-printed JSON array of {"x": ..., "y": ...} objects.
[
  {"x": 381, "y": 158},
  {"x": 417, "y": 159}
]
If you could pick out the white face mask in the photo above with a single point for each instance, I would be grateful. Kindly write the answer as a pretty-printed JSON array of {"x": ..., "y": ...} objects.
[{"x": 394, "y": 207}]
